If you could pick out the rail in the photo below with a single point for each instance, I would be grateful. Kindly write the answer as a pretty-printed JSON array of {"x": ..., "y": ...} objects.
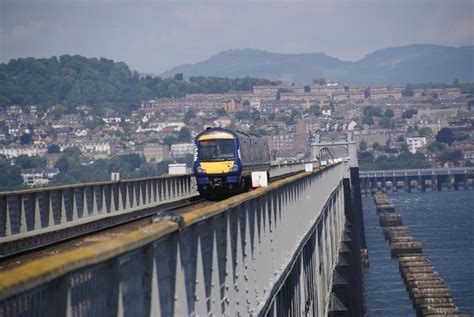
[{"x": 227, "y": 259}]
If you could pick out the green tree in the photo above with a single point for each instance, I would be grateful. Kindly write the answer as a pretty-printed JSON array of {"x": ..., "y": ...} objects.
[
  {"x": 386, "y": 123},
  {"x": 388, "y": 113},
  {"x": 26, "y": 138},
  {"x": 363, "y": 145},
  {"x": 408, "y": 91},
  {"x": 367, "y": 92},
  {"x": 453, "y": 156},
  {"x": 184, "y": 135},
  {"x": 372, "y": 111},
  {"x": 170, "y": 140},
  {"x": 409, "y": 113},
  {"x": 179, "y": 76},
  {"x": 73, "y": 152},
  {"x": 425, "y": 132},
  {"x": 221, "y": 112},
  {"x": 54, "y": 148},
  {"x": 368, "y": 120},
  {"x": 314, "y": 109},
  {"x": 445, "y": 135},
  {"x": 24, "y": 162},
  {"x": 188, "y": 116}
]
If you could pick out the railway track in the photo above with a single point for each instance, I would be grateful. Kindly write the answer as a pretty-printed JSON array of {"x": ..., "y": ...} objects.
[{"x": 32, "y": 246}]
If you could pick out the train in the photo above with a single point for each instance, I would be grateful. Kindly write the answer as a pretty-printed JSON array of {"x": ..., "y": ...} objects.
[{"x": 224, "y": 160}]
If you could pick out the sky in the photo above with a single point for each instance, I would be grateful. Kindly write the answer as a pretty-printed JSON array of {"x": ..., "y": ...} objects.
[{"x": 154, "y": 36}]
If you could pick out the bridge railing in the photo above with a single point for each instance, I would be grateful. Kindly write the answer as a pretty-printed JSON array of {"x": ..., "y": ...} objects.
[
  {"x": 228, "y": 258},
  {"x": 31, "y": 211}
]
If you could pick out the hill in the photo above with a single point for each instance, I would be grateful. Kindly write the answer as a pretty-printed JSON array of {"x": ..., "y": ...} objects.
[
  {"x": 398, "y": 65},
  {"x": 101, "y": 83}
]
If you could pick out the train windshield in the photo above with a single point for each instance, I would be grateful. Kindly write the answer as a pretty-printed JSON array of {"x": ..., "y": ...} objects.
[{"x": 216, "y": 150}]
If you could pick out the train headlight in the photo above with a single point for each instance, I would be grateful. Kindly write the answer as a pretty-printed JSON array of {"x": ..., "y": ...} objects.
[
  {"x": 234, "y": 168},
  {"x": 201, "y": 170}
]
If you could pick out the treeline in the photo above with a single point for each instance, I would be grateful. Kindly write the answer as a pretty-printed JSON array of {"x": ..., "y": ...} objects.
[
  {"x": 71, "y": 171},
  {"x": 405, "y": 160},
  {"x": 99, "y": 83}
]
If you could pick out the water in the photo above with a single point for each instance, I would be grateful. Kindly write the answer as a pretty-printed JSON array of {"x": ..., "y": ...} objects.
[{"x": 443, "y": 222}]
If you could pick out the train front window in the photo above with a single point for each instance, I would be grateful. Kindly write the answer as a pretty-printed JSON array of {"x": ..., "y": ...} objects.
[{"x": 216, "y": 150}]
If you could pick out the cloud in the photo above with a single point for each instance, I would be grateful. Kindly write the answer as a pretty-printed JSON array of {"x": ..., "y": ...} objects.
[
  {"x": 22, "y": 32},
  {"x": 153, "y": 36}
]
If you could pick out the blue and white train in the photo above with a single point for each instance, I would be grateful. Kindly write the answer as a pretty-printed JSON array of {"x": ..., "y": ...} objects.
[{"x": 224, "y": 160}]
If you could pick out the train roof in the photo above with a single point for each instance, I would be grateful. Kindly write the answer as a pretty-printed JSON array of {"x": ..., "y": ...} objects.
[{"x": 234, "y": 133}]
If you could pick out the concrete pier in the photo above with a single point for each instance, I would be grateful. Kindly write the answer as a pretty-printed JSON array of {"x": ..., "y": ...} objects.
[
  {"x": 427, "y": 290},
  {"x": 436, "y": 179}
]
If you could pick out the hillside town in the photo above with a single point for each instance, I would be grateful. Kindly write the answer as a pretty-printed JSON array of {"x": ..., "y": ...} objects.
[{"x": 385, "y": 120}]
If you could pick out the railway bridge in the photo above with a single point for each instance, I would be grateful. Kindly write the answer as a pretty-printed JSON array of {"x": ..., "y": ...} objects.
[
  {"x": 292, "y": 248},
  {"x": 434, "y": 179}
]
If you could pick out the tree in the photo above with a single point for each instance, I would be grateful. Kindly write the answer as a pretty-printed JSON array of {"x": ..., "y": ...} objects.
[
  {"x": 408, "y": 91},
  {"x": 307, "y": 88},
  {"x": 320, "y": 81},
  {"x": 221, "y": 112},
  {"x": 246, "y": 103},
  {"x": 389, "y": 113},
  {"x": 26, "y": 138},
  {"x": 169, "y": 140},
  {"x": 189, "y": 115},
  {"x": 385, "y": 123},
  {"x": 363, "y": 146},
  {"x": 179, "y": 76},
  {"x": 424, "y": 132},
  {"x": 445, "y": 135},
  {"x": 73, "y": 152},
  {"x": 367, "y": 92},
  {"x": 409, "y": 113},
  {"x": 184, "y": 135},
  {"x": 368, "y": 120},
  {"x": 243, "y": 115},
  {"x": 453, "y": 156},
  {"x": 376, "y": 146},
  {"x": 24, "y": 161},
  {"x": 314, "y": 109},
  {"x": 372, "y": 111},
  {"x": 53, "y": 148}
]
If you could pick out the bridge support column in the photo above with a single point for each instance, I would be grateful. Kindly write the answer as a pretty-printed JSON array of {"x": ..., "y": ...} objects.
[
  {"x": 439, "y": 182},
  {"x": 347, "y": 296}
]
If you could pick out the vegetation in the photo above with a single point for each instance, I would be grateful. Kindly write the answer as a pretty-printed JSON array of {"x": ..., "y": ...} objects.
[
  {"x": 100, "y": 83},
  {"x": 405, "y": 160},
  {"x": 409, "y": 113}
]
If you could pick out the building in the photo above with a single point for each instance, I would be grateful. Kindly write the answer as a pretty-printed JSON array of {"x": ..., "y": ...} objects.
[
  {"x": 38, "y": 176},
  {"x": 181, "y": 150},
  {"x": 155, "y": 152},
  {"x": 415, "y": 143}
]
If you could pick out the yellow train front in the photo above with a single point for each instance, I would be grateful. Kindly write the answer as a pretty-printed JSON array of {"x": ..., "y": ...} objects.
[{"x": 224, "y": 160}]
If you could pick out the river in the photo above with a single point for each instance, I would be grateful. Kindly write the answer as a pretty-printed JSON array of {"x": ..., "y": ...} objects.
[{"x": 443, "y": 222}]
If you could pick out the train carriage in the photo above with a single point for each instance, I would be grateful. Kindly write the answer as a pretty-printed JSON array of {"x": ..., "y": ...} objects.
[{"x": 224, "y": 160}]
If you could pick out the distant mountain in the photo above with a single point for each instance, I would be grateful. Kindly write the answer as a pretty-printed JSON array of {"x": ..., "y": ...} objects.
[{"x": 398, "y": 65}]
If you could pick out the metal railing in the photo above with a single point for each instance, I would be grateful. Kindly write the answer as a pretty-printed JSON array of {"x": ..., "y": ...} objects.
[
  {"x": 27, "y": 212},
  {"x": 33, "y": 211},
  {"x": 228, "y": 259}
]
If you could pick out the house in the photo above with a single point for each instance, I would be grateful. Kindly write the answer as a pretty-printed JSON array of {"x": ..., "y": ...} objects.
[
  {"x": 80, "y": 132},
  {"x": 181, "y": 150},
  {"x": 38, "y": 176},
  {"x": 415, "y": 143},
  {"x": 154, "y": 152}
]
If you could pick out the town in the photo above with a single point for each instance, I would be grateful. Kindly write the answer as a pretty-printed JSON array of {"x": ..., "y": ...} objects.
[{"x": 394, "y": 126}]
